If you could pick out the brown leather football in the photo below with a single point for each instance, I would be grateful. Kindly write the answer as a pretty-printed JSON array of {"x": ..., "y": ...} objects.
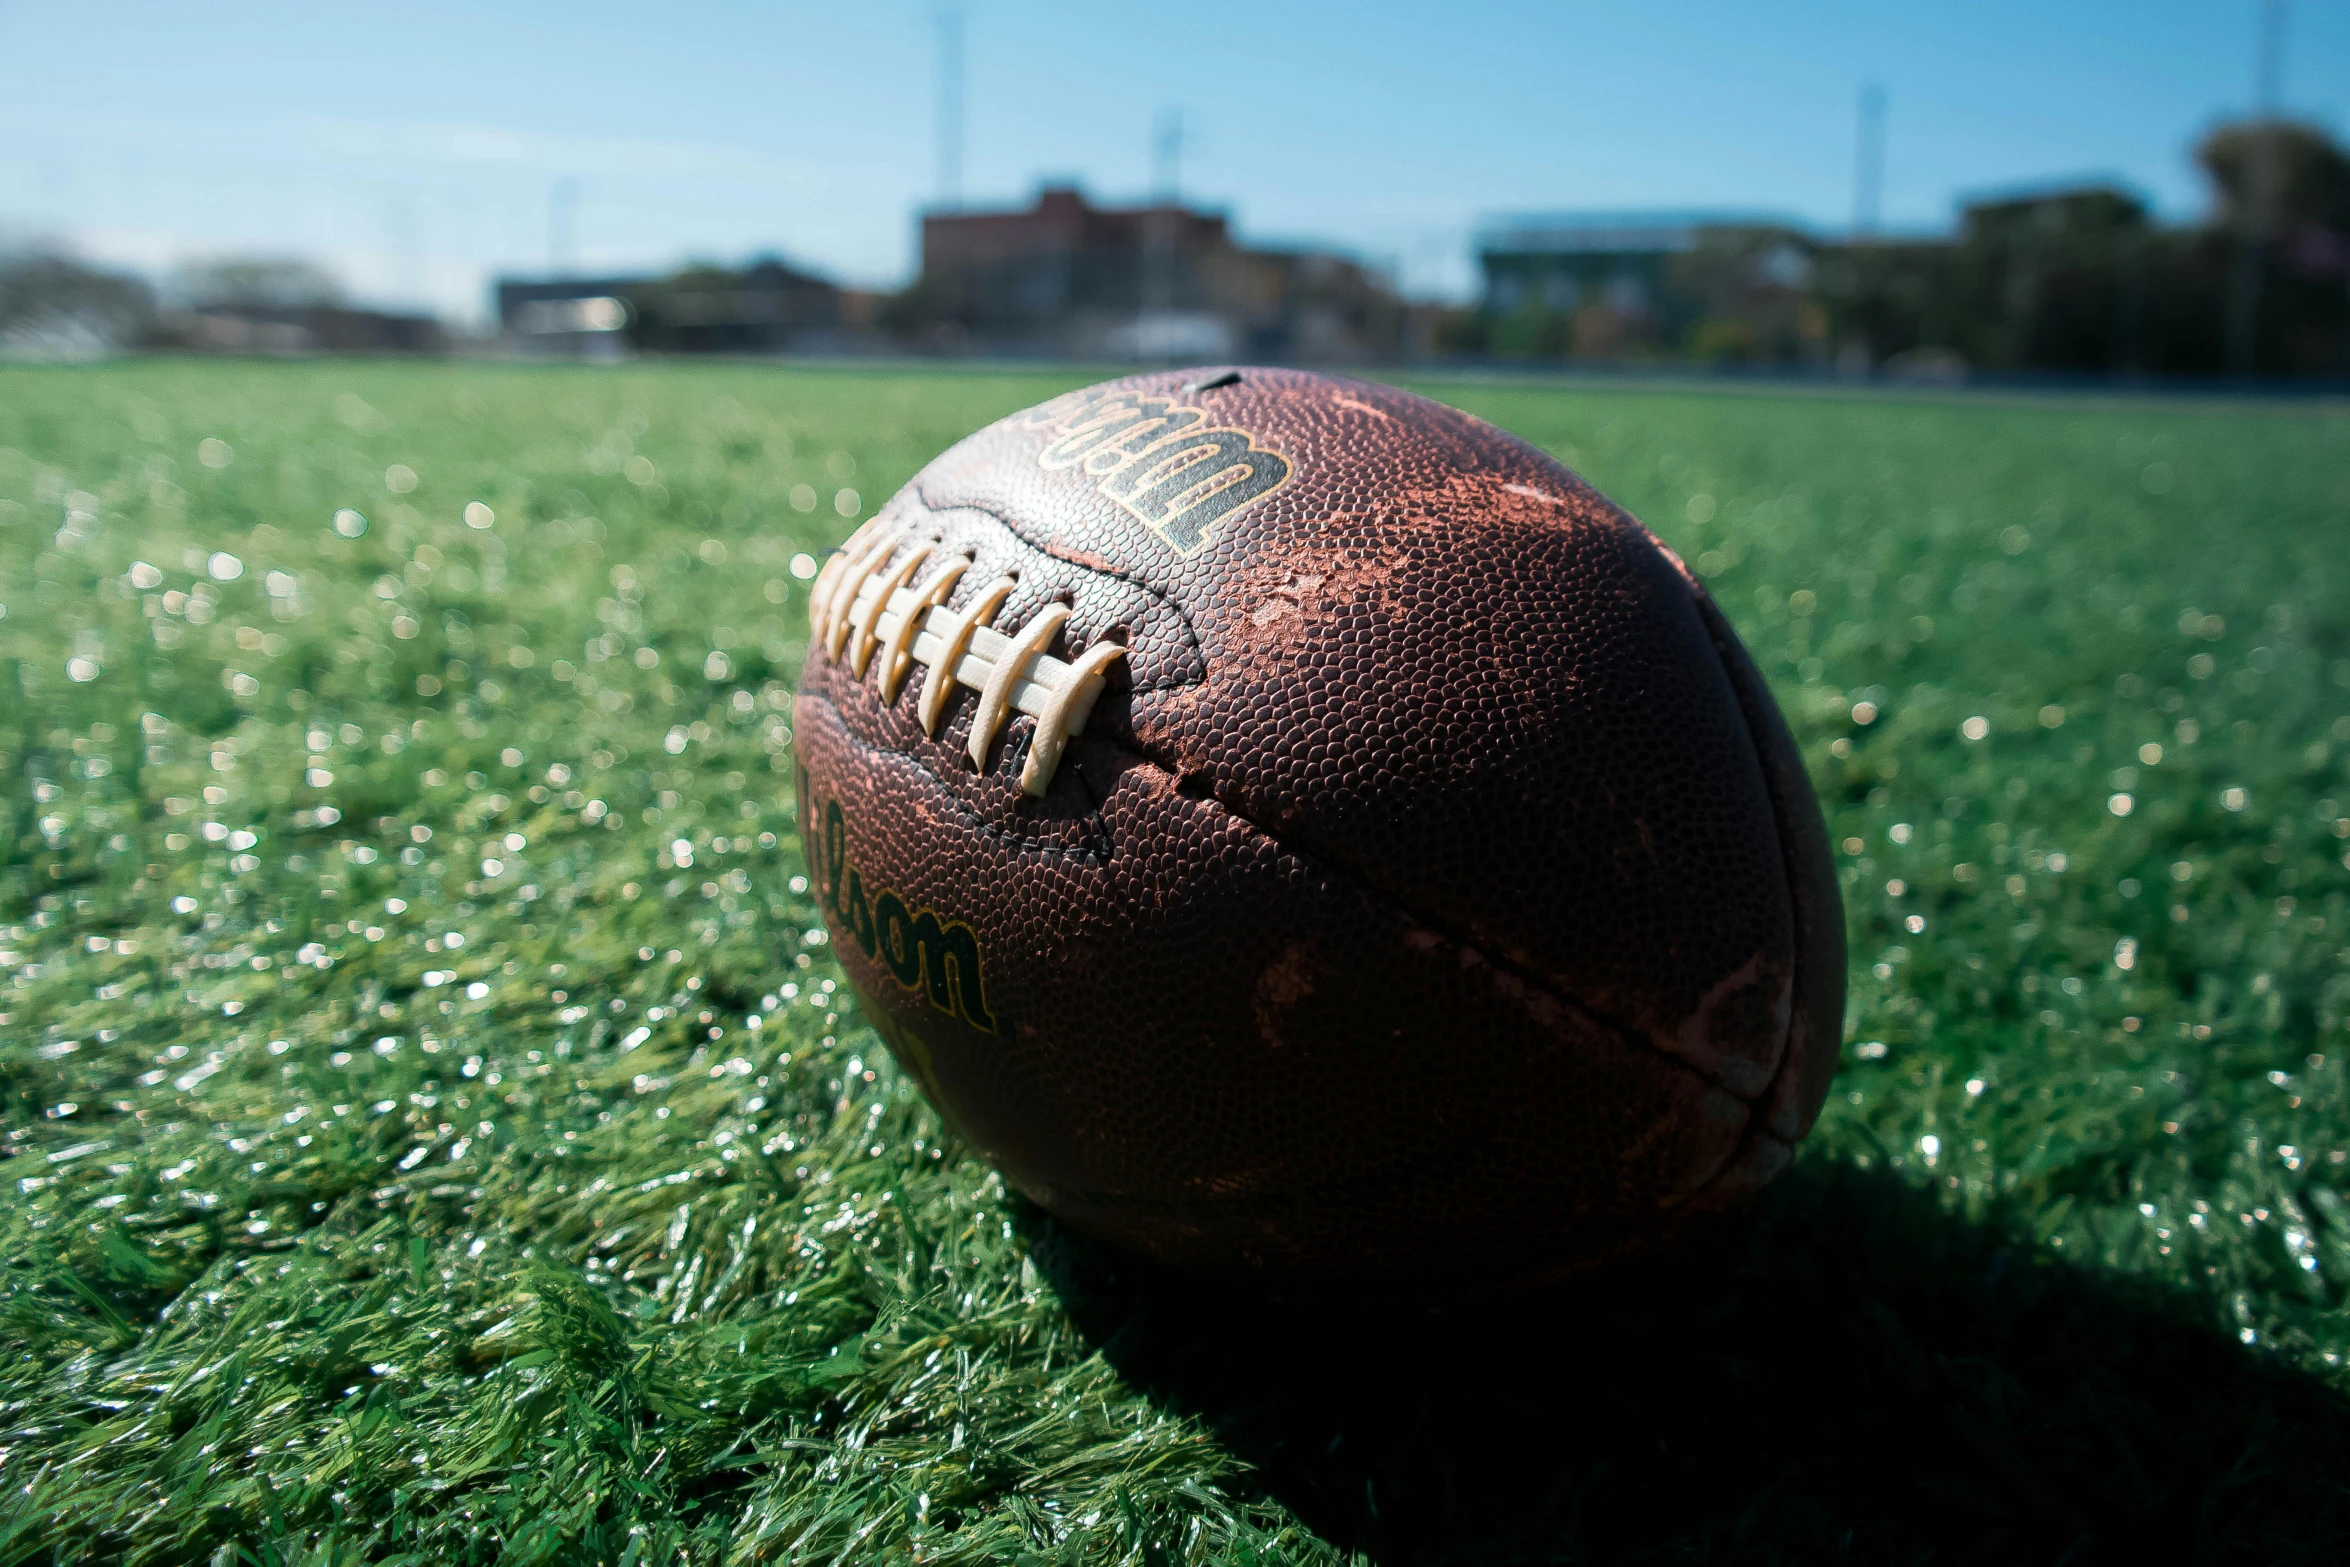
[{"x": 1292, "y": 826}]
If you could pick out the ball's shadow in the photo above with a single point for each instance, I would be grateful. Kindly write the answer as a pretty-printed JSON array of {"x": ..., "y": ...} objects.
[{"x": 1850, "y": 1375}]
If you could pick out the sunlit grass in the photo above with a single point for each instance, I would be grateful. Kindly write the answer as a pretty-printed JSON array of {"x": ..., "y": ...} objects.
[
  {"x": 2075, "y": 686},
  {"x": 431, "y": 1128}
]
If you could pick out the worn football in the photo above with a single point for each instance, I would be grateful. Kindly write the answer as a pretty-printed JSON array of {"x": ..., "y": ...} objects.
[{"x": 1290, "y": 826}]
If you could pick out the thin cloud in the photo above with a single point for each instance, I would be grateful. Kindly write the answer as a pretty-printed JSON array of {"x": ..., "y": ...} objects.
[{"x": 424, "y": 142}]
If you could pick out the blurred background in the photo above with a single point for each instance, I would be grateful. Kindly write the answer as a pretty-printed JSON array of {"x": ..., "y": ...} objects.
[{"x": 2001, "y": 190}]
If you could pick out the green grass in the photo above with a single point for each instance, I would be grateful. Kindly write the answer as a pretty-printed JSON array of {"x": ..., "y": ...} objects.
[{"x": 611, "y": 1235}]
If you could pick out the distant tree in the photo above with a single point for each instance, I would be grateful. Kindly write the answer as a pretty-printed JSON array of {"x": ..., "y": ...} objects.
[
  {"x": 52, "y": 304},
  {"x": 2048, "y": 281},
  {"x": 2075, "y": 281},
  {"x": 767, "y": 307},
  {"x": 2281, "y": 196},
  {"x": 1738, "y": 297},
  {"x": 1535, "y": 330},
  {"x": 1883, "y": 298},
  {"x": 257, "y": 283},
  {"x": 2084, "y": 281},
  {"x": 2308, "y": 171}
]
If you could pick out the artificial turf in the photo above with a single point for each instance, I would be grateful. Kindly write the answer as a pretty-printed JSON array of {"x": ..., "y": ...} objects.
[{"x": 434, "y": 1133}]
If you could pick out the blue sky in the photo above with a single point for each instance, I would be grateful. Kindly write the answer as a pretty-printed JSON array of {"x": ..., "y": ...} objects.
[{"x": 413, "y": 148}]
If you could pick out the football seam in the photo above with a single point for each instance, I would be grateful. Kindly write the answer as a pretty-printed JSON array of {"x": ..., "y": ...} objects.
[
  {"x": 1601, "y": 1021},
  {"x": 1598, "y": 1020},
  {"x": 1133, "y": 746},
  {"x": 1717, "y": 626},
  {"x": 1158, "y": 595},
  {"x": 1755, "y": 1104},
  {"x": 1094, "y": 825}
]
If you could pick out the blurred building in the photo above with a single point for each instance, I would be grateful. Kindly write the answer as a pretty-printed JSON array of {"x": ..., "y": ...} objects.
[
  {"x": 2069, "y": 280},
  {"x": 234, "y": 328},
  {"x": 767, "y": 307},
  {"x": 1608, "y": 285},
  {"x": 1163, "y": 281},
  {"x": 575, "y": 318},
  {"x": 2051, "y": 279},
  {"x": 1563, "y": 261},
  {"x": 281, "y": 305},
  {"x": 2073, "y": 279}
]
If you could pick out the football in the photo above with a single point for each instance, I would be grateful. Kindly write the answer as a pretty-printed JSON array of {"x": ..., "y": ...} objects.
[{"x": 1293, "y": 827}]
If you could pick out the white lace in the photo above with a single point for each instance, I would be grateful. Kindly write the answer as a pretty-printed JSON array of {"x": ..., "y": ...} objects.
[{"x": 869, "y": 600}]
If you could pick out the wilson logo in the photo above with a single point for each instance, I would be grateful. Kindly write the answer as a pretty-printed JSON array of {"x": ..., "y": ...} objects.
[
  {"x": 1168, "y": 464},
  {"x": 923, "y": 953}
]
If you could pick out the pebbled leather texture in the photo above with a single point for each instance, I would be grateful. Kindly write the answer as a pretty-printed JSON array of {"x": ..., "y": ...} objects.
[{"x": 1434, "y": 884}]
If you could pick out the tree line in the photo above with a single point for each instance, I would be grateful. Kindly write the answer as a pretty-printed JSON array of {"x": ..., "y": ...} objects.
[{"x": 2081, "y": 281}]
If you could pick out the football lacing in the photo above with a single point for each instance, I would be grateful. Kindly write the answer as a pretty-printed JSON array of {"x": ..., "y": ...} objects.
[{"x": 871, "y": 608}]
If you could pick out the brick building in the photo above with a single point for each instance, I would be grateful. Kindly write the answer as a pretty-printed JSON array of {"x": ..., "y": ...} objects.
[{"x": 1164, "y": 281}]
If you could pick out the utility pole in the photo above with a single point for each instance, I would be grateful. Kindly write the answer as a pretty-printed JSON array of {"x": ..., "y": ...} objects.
[
  {"x": 2255, "y": 223},
  {"x": 1167, "y": 153},
  {"x": 950, "y": 109},
  {"x": 1868, "y": 175},
  {"x": 1161, "y": 233}
]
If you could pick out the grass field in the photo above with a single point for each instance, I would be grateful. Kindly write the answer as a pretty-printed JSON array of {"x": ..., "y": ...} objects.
[{"x": 430, "y": 1135}]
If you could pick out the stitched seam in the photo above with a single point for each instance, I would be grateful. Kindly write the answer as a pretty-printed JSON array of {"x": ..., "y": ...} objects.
[
  {"x": 1535, "y": 981},
  {"x": 1532, "y": 979},
  {"x": 1131, "y": 579},
  {"x": 1095, "y": 826},
  {"x": 1717, "y": 625},
  {"x": 1595, "y": 1018}
]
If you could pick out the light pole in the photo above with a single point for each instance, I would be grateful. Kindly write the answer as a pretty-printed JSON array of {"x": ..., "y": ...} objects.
[
  {"x": 1163, "y": 225},
  {"x": 2259, "y": 215},
  {"x": 1166, "y": 152},
  {"x": 1868, "y": 174}
]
